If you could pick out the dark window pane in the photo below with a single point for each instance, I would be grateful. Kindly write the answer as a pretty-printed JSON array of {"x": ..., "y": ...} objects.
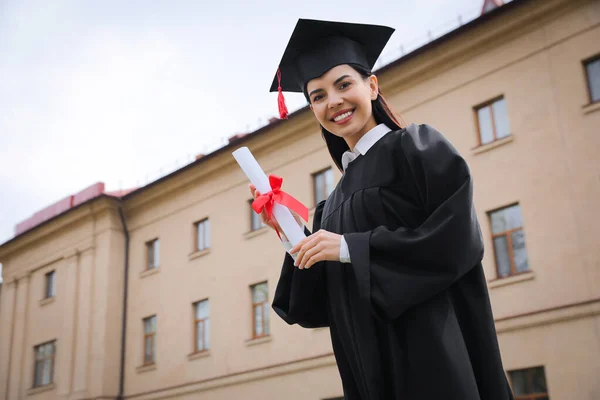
[
  {"x": 153, "y": 254},
  {"x": 485, "y": 125},
  {"x": 255, "y": 221},
  {"x": 259, "y": 293},
  {"x": 593, "y": 76},
  {"x": 519, "y": 382},
  {"x": 206, "y": 225},
  {"x": 265, "y": 314},
  {"x": 519, "y": 251},
  {"x": 502, "y": 256},
  {"x": 39, "y": 353},
  {"x": 150, "y": 256},
  {"x": 258, "y": 321},
  {"x": 39, "y": 370},
  {"x": 501, "y": 119},
  {"x": 50, "y": 283},
  {"x": 202, "y": 309},
  {"x": 47, "y": 368},
  {"x": 506, "y": 219},
  {"x": 329, "y": 181},
  {"x": 199, "y": 335},
  {"x": 203, "y": 235},
  {"x": 538, "y": 381},
  {"x": 156, "y": 253},
  {"x": 319, "y": 186},
  {"x": 529, "y": 382},
  {"x": 206, "y": 332},
  {"x": 149, "y": 353},
  {"x": 150, "y": 325}
]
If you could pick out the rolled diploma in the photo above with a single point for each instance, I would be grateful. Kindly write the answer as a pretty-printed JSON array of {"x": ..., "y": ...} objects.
[{"x": 259, "y": 179}]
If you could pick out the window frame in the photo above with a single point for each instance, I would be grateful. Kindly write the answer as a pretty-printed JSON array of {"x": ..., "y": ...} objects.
[
  {"x": 489, "y": 104},
  {"x": 47, "y": 287},
  {"x": 314, "y": 183},
  {"x": 150, "y": 244},
  {"x": 261, "y": 304},
  {"x": 530, "y": 396},
  {"x": 151, "y": 335},
  {"x": 52, "y": 358},
  {"x": 584, "y": 64},
  {"x": 196, "y": 321},
  {"x": 508, "y": 234},
  {"x": 254, "y": 215},
  {"x": 206, "y": 223}
]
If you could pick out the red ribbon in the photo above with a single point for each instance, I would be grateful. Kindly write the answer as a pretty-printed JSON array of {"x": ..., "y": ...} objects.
[{"x": 266, "y": 201}]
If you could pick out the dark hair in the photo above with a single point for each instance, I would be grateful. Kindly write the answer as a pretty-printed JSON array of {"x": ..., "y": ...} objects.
[{"x": 381, "y": 112}]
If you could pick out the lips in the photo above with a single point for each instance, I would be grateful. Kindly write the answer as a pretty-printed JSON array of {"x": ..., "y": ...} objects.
[{"x": 342, "y": 115}]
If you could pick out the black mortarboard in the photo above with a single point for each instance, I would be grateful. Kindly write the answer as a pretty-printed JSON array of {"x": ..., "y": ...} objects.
[{"x": 317, "y": 46}]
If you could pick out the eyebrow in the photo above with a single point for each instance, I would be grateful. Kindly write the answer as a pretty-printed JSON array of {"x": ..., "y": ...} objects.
[{"x": 338, "y": 80}]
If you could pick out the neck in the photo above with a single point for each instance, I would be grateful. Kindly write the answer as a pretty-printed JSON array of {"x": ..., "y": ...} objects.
[{"x": 351, "y": 140}]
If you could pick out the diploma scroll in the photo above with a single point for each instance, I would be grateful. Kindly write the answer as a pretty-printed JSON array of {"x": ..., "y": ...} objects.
[{"x": 259, "y": 179}]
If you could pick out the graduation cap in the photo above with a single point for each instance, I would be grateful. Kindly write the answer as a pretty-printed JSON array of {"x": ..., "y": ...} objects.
[{"x": 317, "y": 46}]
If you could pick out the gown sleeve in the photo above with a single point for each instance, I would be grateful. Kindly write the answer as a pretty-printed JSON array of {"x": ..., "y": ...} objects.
[
  {"x": 397, "y": 269},
  {"x": 300, "y": 296}
]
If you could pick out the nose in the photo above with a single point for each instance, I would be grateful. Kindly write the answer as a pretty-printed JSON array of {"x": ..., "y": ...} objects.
[{"x": 335, "y": 100}]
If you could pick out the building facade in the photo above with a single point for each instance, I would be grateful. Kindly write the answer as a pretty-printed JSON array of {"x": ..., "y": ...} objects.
[{"x": 164, "y": 292}]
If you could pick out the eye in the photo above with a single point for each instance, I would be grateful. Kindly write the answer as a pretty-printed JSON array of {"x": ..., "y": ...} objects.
[
  {"x": 344, "y": 85},
  {"x": 317, "y": 98}
]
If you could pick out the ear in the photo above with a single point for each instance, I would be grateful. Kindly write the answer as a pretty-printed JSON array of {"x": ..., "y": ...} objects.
[{"x": 374, "y": 86}]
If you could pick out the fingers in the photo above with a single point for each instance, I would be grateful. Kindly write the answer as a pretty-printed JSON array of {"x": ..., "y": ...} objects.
[
  {"x": 302, "y": 248},
  {"x": 313, "y": 260},
  {"x": 310, "y": 257}
]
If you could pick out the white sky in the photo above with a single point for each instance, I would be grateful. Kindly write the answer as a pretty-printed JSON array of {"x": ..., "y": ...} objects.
[{"x": 122, "y": 91}]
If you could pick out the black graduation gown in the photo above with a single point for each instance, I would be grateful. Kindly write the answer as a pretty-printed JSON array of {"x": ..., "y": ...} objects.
[{"x": 410, "y": 317}]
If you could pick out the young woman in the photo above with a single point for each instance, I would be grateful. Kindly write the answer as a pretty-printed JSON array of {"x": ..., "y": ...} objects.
[{"x": 393, "y": 266}]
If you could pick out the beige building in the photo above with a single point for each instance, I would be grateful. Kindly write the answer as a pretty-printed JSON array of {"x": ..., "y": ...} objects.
[{"x": 164, "y": 292}]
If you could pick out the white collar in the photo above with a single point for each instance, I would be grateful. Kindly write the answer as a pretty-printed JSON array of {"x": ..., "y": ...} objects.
[{"x": 364, "y": 144}]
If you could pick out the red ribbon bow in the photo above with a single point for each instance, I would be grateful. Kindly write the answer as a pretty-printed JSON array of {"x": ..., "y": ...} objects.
[{"x": 266, "y": 201}]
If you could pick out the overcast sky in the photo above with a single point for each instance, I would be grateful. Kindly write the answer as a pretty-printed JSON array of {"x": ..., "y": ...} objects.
[{"x": 122, "y": 91}]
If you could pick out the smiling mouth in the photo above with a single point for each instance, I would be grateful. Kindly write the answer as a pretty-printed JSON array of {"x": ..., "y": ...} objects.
[{"x": 343, "y": 116}]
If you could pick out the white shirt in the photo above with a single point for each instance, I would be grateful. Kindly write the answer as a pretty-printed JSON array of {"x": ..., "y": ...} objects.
[
  {"x": 362, "y": 147},
  {"x": 364, "y": 144}
]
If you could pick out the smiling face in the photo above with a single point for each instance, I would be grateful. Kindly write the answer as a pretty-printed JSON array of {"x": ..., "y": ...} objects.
[{"x": 341, "y": 101}]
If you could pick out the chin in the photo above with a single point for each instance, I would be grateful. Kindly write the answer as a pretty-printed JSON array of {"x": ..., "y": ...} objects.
[{"x": 343, "y": 131}]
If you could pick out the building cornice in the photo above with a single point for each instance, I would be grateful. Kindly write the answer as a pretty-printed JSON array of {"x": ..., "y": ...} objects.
[
  {"x": 501, "y": 25},
  {"x": 88, "y": 209}
]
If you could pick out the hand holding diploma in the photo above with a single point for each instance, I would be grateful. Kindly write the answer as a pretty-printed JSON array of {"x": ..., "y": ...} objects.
[
  {"x": 271, "y": 200},
  {"x": 272, "y": 223}
]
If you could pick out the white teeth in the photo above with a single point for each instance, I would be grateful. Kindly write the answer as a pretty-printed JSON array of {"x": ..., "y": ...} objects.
[{"x": 344, "y": 115}]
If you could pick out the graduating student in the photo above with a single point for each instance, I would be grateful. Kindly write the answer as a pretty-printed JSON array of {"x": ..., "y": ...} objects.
[{"x": 393, "y": 266}]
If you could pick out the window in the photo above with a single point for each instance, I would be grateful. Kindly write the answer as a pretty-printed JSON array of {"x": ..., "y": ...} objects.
[
  {"x": 492, "y": 121},
  {"x": 150, "y": 340},
  {"x": 44, "y": 364},
  {"x": 529, "y": 384},
  {"x": 592, "y": 72},
  {"x": 50, "y": 284},
  {"x": 322, "y": 185},
  {"x": 153, "y": 251},
  {"x": 509, "y": 241},
  {"x": 260, "y": 310},
  {"x": 202, "y": 233},
  {"x": 201, "y": 326},
  {"x": 255, "y": 221}
]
